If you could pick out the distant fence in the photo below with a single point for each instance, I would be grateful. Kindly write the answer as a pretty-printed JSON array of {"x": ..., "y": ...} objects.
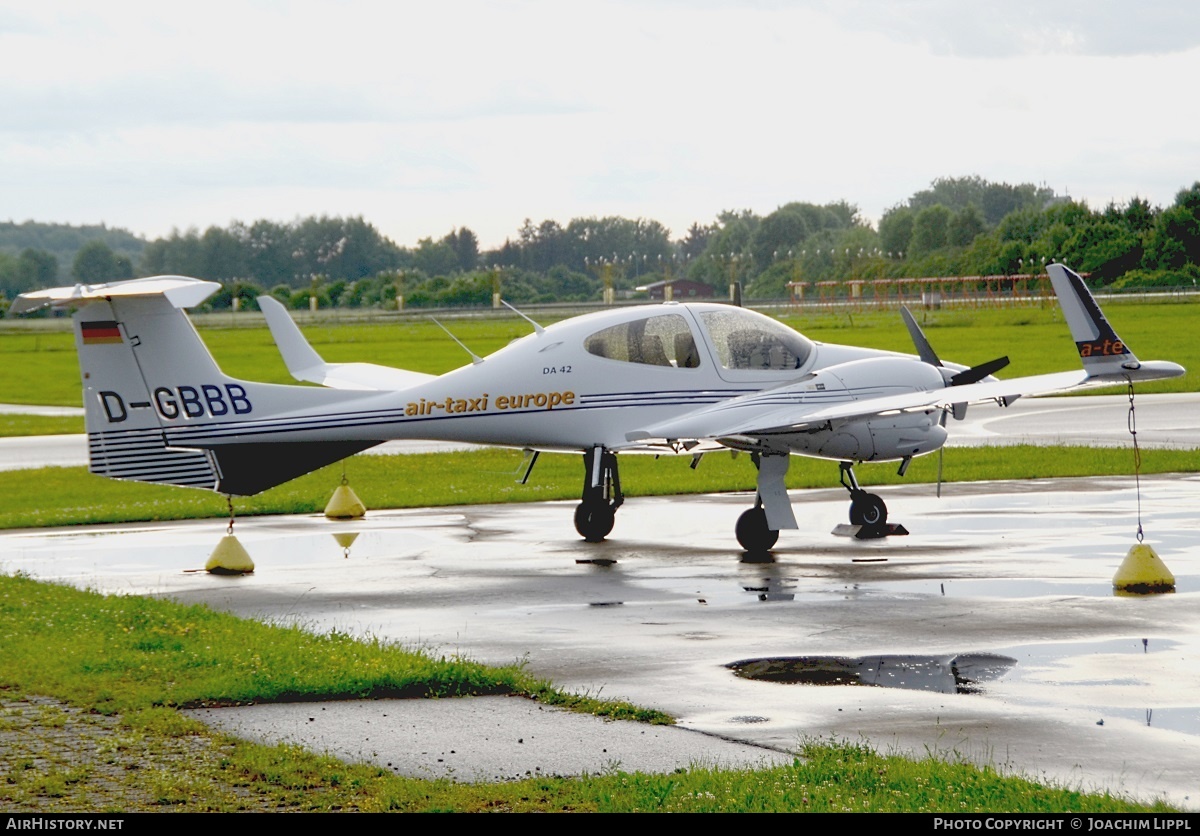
[
  {"x": 853, "y": 295},
  {"x": 1025, "y": 289}
]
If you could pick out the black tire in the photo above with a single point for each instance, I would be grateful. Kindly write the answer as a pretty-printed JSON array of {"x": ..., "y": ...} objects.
[
  {"x": 594, "y": 521},
  {"x": 868, "y": 509},
  {"x": 752, "y": 531}
]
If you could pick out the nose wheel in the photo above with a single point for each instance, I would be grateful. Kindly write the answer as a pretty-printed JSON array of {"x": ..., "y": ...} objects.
[{"x": 865, "y": 508}]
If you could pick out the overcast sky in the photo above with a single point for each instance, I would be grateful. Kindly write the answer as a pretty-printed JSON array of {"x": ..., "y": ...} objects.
[{"x": 426, "y": 116}]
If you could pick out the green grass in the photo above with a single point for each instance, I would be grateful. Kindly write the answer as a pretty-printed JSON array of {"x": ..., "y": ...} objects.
[
  {"x": 40, "y": 365},
  {"x": 19, "y": 425},
  {"x": 138, "y": 659},
  {"x": 68, "y": 496},
  {"x": 126, "y": 653}
]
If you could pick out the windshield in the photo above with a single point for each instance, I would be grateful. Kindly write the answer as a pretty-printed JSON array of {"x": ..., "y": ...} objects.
[{"x": 747, "y": 340}]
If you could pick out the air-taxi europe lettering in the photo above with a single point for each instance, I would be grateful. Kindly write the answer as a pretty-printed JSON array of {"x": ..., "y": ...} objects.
[
  {"x": 672, "y": 378},
  {"x": 458, "y": 406}
]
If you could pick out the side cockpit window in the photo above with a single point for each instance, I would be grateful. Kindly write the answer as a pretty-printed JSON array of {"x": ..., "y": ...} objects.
[
  {"x": 664, "y": 340},
  {"x": 746, "y": 340}
]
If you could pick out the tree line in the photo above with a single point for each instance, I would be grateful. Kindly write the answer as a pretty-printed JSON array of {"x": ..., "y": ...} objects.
[{"x": 957, "y": 227}]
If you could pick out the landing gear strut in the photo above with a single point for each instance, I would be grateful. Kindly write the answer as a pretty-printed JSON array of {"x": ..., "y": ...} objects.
[
  {"x": 597, "y": 512},
  {"x": 865, "y": 508},
  {"x": 757, "y": 529}
]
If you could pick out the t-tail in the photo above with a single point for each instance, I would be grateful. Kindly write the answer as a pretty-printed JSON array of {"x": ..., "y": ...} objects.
[
  {"x": 1105, "y": 356},
  {"x": 158, "y": 409}
]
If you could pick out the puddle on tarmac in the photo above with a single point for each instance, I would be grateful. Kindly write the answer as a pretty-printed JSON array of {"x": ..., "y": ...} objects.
[
  {"x": 1099, "y": 680},
  {"x": 959, "y": 674}
]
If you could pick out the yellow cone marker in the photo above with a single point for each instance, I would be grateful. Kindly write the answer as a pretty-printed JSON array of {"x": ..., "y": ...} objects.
[
  {"x": 1142, "y": 571},
  {"x": 345, "y": 504},
  {"x": 229, "y": 558}
]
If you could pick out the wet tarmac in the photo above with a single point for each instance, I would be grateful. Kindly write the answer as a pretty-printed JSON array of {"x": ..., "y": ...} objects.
[{"x": 990, "y": 632}]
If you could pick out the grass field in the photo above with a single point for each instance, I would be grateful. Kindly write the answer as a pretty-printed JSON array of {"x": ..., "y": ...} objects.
[{"x": 40, "y": 365}]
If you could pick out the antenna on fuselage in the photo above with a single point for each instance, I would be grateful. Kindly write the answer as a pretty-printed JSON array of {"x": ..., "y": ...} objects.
[
  {"x": 475, "y": 358},
  {"x": 536, "y": 327}
]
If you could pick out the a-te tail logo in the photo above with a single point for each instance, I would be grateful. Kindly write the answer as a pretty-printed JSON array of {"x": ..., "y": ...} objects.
[{"x": 1106, "y": 347}]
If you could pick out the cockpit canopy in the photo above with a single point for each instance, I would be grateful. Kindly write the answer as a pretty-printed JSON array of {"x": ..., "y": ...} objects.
[
  {"x": 747, "y": 340},
  {"x": 741, "y": 340}
]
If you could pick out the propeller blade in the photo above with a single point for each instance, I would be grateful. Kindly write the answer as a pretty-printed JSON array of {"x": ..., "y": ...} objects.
[
  {"x": 924, "y": 349},
  {"x": 978, "y": 373}
]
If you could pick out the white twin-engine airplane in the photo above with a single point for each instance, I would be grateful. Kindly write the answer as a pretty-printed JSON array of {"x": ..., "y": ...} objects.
[{"x": 680, "y": 378}]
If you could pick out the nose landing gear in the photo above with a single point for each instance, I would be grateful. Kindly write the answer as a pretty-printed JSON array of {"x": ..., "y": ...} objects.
[
  {"x": 597, "y": 512},
  {"x": 865, "y": 508}
]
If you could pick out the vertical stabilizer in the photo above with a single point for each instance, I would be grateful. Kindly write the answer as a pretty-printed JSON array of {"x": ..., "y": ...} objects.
[
  {"x": 1101, "y": 351},
  {"x": 125, "y": 434},
  {"x": 158, "y": 409}
]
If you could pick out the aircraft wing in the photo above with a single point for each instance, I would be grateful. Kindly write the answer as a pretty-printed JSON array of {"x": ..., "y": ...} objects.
[
  {"x": 303, "y": 363},
  {"x": 796, "y": 407}
]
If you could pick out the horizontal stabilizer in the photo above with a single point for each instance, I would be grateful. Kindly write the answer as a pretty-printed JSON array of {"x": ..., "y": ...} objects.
[{"x": 180, "y": 291}]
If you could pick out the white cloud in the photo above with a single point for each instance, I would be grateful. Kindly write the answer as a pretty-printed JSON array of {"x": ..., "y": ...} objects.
[{"x": 422, "y": 117}]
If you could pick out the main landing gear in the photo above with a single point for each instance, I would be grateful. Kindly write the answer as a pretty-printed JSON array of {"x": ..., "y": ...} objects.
[
  {"x": 865, "y": 508},
  {"x": 597, "y": 512},
  {"x": 752, "y": 530},
  {"x": 757, "y": 529}
]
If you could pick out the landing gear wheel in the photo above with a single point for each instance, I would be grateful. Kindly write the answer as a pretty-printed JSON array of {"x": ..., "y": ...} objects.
[
  {"x": 753, "y": 533},
  {"x": 867, "y": 509},
  {"x": 594, "y": 521}
]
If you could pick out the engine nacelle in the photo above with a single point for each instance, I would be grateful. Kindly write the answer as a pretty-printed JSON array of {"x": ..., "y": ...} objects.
[{"x": 881, "y": 437}]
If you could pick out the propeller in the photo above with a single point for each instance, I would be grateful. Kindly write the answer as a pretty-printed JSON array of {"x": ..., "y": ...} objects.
[
  {"x": 978, "y": 373},
  {"x": 928, "y": 355},
  {"x": 972, "y": 375}
]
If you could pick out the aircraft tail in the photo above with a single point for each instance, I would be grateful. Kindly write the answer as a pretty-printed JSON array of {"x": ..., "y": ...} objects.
[
  {"x": 156, "y": 406},
  {"x": 1105, "y": 356}
]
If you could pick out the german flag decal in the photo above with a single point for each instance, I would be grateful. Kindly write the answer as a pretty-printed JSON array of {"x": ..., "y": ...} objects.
[{"x": 100, "y": 332}]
